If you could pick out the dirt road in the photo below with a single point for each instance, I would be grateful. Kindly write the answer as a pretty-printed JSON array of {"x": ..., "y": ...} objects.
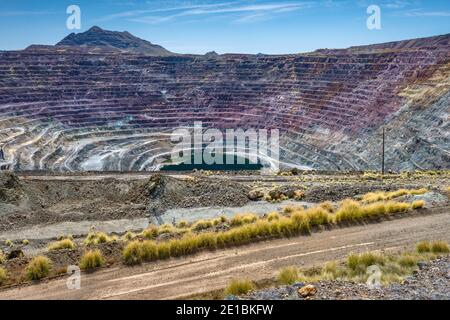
[{"x": 204, "y": 272}]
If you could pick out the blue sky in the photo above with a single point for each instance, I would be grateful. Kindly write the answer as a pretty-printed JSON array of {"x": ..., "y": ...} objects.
[{"x": 244, "y": 26}]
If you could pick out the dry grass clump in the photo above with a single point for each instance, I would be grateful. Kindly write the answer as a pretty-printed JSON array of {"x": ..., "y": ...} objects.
[
  {"x": 38, "y": 268},
  {"x": 328, "y": 206},
  {"x": 3, "y": 275},
  {"x": 91, "y": 260},
  {"x": 2, "y": 257},
  {"x": 8, "y": 243},
  {"x": 288, "y": 275},
  {"x": 351, "y": 210},
  {"x": 132, "y": 253},
  {"x": 273, "y": 216},
  {"x": 94, "y": 238},
  {"x": 202, "y": 225},
  {"x": 239, "y": 287},
  {"x": 418, "y": 204},
  {"x": 423, "y": 246},
  {"x": 182, "y": 224},
  {"x": 25, "y": 242},
  {"x": 129, "y": 235},
  {"x": 241, "y": 219},
  {"x": 62, "y": 244},
  {"x": 151, "y": 232},
  {"x": 318, "y": 216},
  {"x": 360, "y": 262},
  {"x": 439, "y": 247},
  {"x": 434, "y": 247},
  {"x": 166, "y": 228},
  {"x": 383, "y": 196}
]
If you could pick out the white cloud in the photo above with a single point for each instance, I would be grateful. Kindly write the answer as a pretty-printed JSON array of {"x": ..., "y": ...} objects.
[
  {"x": 240, "y": 12},
  {"x": 419, "y": 13}
]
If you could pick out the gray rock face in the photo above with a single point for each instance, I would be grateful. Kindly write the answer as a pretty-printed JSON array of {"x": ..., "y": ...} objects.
[{"x": 122, "y": 41}]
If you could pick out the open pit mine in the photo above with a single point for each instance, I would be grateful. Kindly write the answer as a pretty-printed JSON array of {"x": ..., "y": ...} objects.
[{"x": 108, "y": 101}]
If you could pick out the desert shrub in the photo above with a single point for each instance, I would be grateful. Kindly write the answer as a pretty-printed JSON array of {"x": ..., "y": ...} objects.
[
  {"x": 407, "y": 261},
  {"x": 62, "y": 244},
  {"x": 239, "y": 287},
  {"x": 164, "y": 250},
  {"x": 396, "y": 207},
  {"x": 91, "y": 260},
  {"x": 38, "y": 268},
  {"x": 382, "y": 196},
  {"x": 25, "y": 242},
  {"x": 240, "y": 219},
  {"x": 94, "y": 238},
  {"x": 348, "y": 210},
  {"x": 129, "y": 236},
  {"x": 418, "y": 191},
  {"x": 202, "y": 225},
  {"x": 273, "y": 216},
  {"x": 166, "y": 228},
  {"x": 182, "y": 224},
  {"x": 439, "y": 247},
  {"x": 327, "y": 205},
  {"x": 374, "y": 210},
  {"x": 418, "y": 204},
  {"x": 318, "y": 216},
  {"x": 9, "y": 243},
  {"x": 2, "y": 257},
  {"x": 149, "y": 251},
  {"x": 151, "y": 232},
  {"x": 300, "y": 222},
  {"x": 3, "y": 275},
  {"x": 360, "y": 262},
  {"x": 133, "y": 253},
  {"x": 423, "y": 246},
  {"x": 288, "y": 275},
  {"x": 249, "y": 218},
  {"x": 288, "y": 209}
]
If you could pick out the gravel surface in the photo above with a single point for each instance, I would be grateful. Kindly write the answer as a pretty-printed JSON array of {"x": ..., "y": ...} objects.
[{"x": 430, "y": 282}]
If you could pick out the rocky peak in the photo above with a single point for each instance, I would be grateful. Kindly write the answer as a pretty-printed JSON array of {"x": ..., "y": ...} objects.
[{"x": 121, "y": 41}]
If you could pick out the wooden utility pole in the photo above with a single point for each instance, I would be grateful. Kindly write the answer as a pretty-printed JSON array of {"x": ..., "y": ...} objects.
[{"x": 382, "y": 156}]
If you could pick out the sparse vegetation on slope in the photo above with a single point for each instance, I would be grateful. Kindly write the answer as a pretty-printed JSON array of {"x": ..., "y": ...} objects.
[
  {"x": 299, "y": 222},
  {"x": 3, "y": 275},
  {"x": 393, "y": 267}
]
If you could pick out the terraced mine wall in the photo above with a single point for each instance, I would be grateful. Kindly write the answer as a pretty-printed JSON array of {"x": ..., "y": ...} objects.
[{"x": 69, "y": 109}]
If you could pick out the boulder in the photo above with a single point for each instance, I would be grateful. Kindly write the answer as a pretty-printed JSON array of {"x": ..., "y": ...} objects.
[{"x": 307, "y": 291}]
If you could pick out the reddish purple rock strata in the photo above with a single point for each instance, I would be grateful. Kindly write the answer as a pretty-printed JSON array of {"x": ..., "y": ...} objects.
[{"x": 67, "y": 108}]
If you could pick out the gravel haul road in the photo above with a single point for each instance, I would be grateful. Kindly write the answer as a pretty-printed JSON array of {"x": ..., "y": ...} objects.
[{"x": 183, "y": 277}]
